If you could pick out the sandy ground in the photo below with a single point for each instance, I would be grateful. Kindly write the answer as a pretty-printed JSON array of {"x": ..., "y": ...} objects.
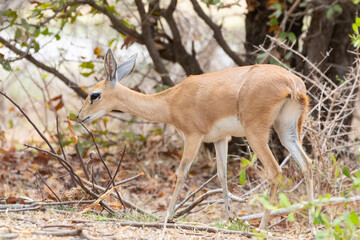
[{"x": 30, "y": 225}]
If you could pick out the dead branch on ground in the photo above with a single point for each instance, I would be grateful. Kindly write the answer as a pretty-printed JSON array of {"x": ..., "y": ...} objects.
[{"x": 301, "y": 206}]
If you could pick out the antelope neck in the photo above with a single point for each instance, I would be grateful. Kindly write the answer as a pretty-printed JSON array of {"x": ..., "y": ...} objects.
[{"x": 152, "y": 107}]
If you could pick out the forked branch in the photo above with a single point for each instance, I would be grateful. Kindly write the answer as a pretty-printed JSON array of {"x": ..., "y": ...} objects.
[
  {"x": 41, "y": 65},
  {"x": 217, "y": 34}
]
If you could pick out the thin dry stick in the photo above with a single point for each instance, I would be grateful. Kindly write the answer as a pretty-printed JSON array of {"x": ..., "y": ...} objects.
[
  {"x": 128, "y": 203},
  {"x": 74, "y": 175},
  {"x": 197, "y": 201},
  {"x": 169, "y": 225},
  {"x": 62, "y": 161},
  {"x": 77, "y": 149},
  {"x": 97, "y": 200},
  {"x": 59, "y": 137},
  {"x": 61, "y": 233},
  {"x": 103, "y": 162},
  {"x": 68, "y": 202},
  {"x": 29, "y": 120},
  {"x": 116, "y": 171},
  {"x": 60, "y": 143},
  {"x": 193, "y": 193},
  {"x": 56, "y": 196},
  {"x": 301, "y": 206},
  {"x": 129, "y": 179},
  {"x": 21, "y": 209}
]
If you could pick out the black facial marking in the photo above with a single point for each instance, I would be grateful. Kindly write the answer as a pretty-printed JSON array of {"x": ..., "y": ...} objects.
[{"x": 94, "y": 96}]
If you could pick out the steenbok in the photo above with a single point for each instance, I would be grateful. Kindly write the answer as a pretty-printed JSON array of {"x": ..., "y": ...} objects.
[{"x": 243, "y": 102}]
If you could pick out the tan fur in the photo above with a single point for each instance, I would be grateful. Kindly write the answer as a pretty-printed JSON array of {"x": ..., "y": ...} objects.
[
  {"x": 253, "y": 94},
  {"x": 199, "y": 101}
]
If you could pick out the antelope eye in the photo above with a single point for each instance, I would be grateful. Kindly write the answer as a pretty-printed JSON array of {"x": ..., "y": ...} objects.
[{"x": 94, "y": 96}]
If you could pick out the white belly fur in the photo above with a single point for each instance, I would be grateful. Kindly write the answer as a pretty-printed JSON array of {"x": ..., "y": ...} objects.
[{"x": 230, "y": 126}]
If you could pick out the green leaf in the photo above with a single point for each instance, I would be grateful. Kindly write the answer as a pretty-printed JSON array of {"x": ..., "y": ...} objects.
[
  {"x": 37, "y": 33},
  {"x": 357, "y": 20},
  {"x": 245, "y": 162},
  {"x": 25, "y": 24},
  {"x": 355, "y": 28},
  {"x": 130, "y": 135},
  {"x": 284, "y": 200},
  {"x": 265, "y": 202},
  {"x": 87, "y": 74},
  {"x": 292, "y": 37},
  {"x": 329, "y": 13},
  {"x": 354, "y": 218},
  {"x": 87, "y": 65},
  {"x": 253, "y": 158},
  {"x": 66, "y": 143},
  {"x": 110, "y": 9},
  {"x": 36, "y": 46},
  {"x": 142, "y": 138},
  {"x": 288, "y": 55},
  {"x": 283, "y": 35},
  {"x": 45, "y": 32},
  {"x": 156, "y": 131},
  {"x": 111, "y": 42},
  {"x": 303, "y": 4},
  {"x": 325, "y": 220},
  {"x": 57, "y": 36},
  {"x": 337, "y": 8},
  {"x": 291, "y": 217},
  {"x": 346, "y": 172},
  {"x": 337, "y": 172},
  {"x": 356, "y": 43},
  {"x": 11, "y": 123},
  {"x": 273, "y": 22},
  {"x": 44, "y": 5},
  {"x": 242, "y": 176},
  {"x": 6, "y": 65},
  {"x": 333, "y": 158},
  {"x": 18, "y": 33},
  {"x": 72, "y": 116}
]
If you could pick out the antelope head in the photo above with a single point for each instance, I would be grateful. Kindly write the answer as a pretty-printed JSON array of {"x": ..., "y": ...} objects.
[{"x": 101, "y": 98}]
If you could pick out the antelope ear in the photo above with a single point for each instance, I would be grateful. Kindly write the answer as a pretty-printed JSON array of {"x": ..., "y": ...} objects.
[
  {"x": 110, "y": 65},
  {"x": 126, "y": 68}
]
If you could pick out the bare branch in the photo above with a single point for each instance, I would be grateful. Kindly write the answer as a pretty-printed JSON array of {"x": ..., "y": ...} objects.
[
  {"x": 106, "y": 167},
  {"x": 150, "y": 45},
  {"x": 186, "y": 60},
  {"x": 41, "y": 65},
  {"x": 42, "y": 179},
  {"x": 29, "y": 120},
  {"x": 217, "y": 34},
  {"x": 170, "y": 225},
  {"x": 301, "y": 206}
]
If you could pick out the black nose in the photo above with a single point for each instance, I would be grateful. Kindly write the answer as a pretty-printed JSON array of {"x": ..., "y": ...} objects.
[{"x": 77, "y": 117}]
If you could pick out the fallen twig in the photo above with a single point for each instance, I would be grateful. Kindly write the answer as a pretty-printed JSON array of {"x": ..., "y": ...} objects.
[
  {"x": 8, "y": 236},
  {"x": 98, "y": 200},
  {"x": 59, "y": 233},
  {"x": 21, "y": 209},
  {"x": 169, "y": 225},
  {"x": 129, "y": 179},
  {"x": 129, "y": 204},
  {"x": 300, "y": 206},
  {"x": 193, "y": 193},
  {"x": 197, "y": 201},
  {"x": 77, "y": 179}
]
